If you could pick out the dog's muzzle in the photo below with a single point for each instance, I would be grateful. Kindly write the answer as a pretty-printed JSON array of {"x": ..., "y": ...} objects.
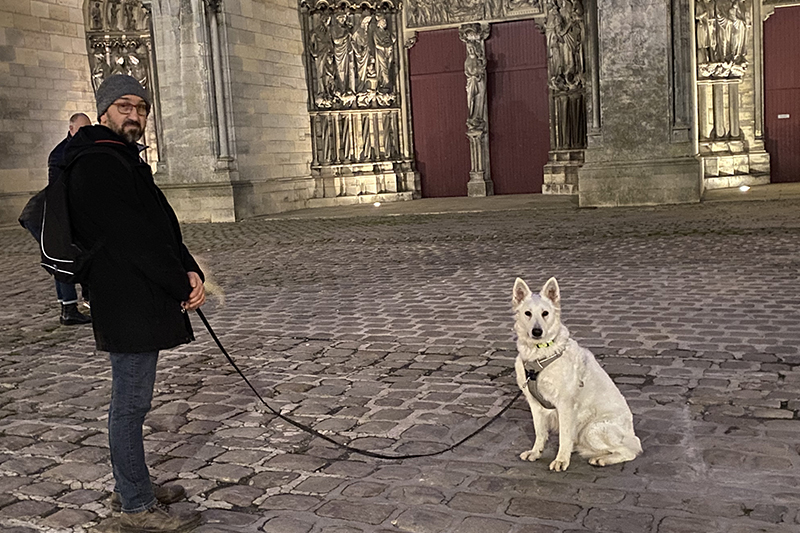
[{"x": 537, "y": 332}]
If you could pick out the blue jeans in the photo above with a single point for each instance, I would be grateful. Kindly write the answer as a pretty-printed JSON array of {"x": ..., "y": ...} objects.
[
  {"x": 66, "y": 293},
  {"x": 133, "y": 376}
]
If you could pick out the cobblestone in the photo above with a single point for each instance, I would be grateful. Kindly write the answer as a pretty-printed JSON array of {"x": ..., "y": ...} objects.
[{"x": 393, "y": 333}]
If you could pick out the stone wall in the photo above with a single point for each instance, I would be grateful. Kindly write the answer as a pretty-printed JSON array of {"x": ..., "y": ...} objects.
[
  {"x": 270, "y": 110},
  {"x": 44, "y": 79}
]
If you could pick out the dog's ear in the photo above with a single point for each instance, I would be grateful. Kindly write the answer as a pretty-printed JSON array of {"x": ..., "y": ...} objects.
[
  {"x": 521, "y": 291},
  {"x": 551, "y": 292}
]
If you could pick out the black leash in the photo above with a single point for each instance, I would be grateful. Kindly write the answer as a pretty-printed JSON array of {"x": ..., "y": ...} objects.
[{"x": 316, "y": 433}]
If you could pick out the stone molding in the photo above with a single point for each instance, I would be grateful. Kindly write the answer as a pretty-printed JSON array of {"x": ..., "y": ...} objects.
[{"x": 436, "y": 14}]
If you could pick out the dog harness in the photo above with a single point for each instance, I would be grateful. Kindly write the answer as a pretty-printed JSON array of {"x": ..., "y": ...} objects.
[{"x": 532, "y": 373}]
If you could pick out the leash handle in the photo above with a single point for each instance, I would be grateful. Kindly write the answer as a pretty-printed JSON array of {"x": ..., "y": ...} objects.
[{"x": 326, "y": 438}]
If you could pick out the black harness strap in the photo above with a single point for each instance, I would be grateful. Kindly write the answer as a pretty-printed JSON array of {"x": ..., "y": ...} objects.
[{"x": 316, "y": 433}]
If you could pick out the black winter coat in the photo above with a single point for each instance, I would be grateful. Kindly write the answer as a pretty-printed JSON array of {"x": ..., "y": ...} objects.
[
  {"x": 55, "y": 158},
  {"x": 138, "y": 276}
]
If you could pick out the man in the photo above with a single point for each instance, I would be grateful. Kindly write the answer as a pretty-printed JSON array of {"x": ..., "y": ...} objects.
[
  {"x": 67, "y": 295},
  {"x": 143, "y": 282}
]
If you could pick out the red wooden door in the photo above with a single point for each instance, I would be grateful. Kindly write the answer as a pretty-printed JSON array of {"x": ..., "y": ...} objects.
[
  {"x": 519, "y": 124},
  {"x": 782, "y": 95},
  {"x": 439, "y": 113}
]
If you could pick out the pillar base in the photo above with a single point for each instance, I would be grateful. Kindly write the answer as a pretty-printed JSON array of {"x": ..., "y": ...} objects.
[
  {"x": 630, "y": 183},
  {"x": 480, "y": 187},
  {"x": 561, "y": 172}
]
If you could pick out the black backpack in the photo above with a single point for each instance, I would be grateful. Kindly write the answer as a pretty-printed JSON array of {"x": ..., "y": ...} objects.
[{"x": 46, "y": 216}]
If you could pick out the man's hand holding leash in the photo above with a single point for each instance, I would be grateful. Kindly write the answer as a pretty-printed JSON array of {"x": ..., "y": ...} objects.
[{"x": 198, "y": 295}]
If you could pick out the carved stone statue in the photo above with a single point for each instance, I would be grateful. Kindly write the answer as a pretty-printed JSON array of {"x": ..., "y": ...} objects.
[
  {"x": 722, "y": 28},
  {"x": 341, "y": 32},
  {"x": 554, "y": 30},
  {"x": 112, "y": 14},
  {"x": 385, "y": 40},
  {"x": 321, "y": 51},
  {"x": 137, "y": 63},
  {"x": 473, "y": 36},
  {"x": 128, "y": 15},
  {"x": 705, "y": 15},
  {"x": 572, "y": 42},
  {"x": 100, "y": 69},
  {"x": 96, "y": 16},
  {"x": 740, "y": 21},
  {"x": 363, "y": 54},
  {"x": 564, "y": 31}
]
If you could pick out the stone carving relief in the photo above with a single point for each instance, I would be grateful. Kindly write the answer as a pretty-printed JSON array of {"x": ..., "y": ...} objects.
[
  {"x": 722, "y": 28},
  {"x": 422, "y": 13},
  {"x": 352, "y": 60},
  {"x": 353, "y": 54},
  {"x": 565, "y": 30},
  {"x": 119, "y": 42}
]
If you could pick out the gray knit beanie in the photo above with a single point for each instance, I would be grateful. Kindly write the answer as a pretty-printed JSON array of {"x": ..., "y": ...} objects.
[{"x": 117, "y": 86}]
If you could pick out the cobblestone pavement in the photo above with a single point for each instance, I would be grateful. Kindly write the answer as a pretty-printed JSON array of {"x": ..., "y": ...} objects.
[{"x": 393, "y": 333}]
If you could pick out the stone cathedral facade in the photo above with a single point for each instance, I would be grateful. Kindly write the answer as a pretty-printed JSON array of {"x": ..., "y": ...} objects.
[{"x": 264, "y": 106}]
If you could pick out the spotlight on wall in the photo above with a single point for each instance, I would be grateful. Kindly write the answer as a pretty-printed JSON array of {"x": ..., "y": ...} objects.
[{"x": 744, "y": 188}]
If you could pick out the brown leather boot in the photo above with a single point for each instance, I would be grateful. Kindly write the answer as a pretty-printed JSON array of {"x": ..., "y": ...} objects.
[
  {"x": 165, "y": 494},
  {"x": 158, "y": 519}
]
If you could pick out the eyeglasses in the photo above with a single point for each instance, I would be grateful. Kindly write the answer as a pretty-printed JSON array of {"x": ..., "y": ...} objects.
[{"x": 126, "y": 108}]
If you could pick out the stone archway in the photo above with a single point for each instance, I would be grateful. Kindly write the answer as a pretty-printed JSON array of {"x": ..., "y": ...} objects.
[{"x": 119, "y": 41}]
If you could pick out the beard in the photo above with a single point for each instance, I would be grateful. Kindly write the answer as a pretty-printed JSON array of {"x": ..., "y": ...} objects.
[{"x": 130, "y": 130}]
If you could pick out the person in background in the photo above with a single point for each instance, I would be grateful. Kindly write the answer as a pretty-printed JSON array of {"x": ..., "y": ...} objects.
[{"x": 67, "y": 295}]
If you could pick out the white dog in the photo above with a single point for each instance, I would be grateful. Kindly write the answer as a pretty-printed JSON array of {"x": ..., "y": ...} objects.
[{"x": 566, "y": 388}]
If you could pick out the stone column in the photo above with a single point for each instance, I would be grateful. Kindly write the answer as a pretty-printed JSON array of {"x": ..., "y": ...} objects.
[
  {"x": 213, "y": 9},
  {"x": 195, "y": 179},
  {"x": 632, "y": 158},
  {"x": 480, "y": 181}
]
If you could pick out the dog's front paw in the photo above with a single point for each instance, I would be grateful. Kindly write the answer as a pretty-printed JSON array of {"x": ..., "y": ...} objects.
[
  {"x": 530, "y": 455},
  {"x": 559, "y": 465}
]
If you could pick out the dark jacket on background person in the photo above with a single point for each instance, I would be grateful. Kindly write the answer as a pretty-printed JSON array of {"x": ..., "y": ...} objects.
[
  {"x": 55, "y": 158},
  {"x": 139, "y": 273}
]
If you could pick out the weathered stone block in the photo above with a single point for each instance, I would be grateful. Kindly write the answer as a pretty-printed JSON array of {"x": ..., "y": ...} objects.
[{"x": 671, "y": 181}]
